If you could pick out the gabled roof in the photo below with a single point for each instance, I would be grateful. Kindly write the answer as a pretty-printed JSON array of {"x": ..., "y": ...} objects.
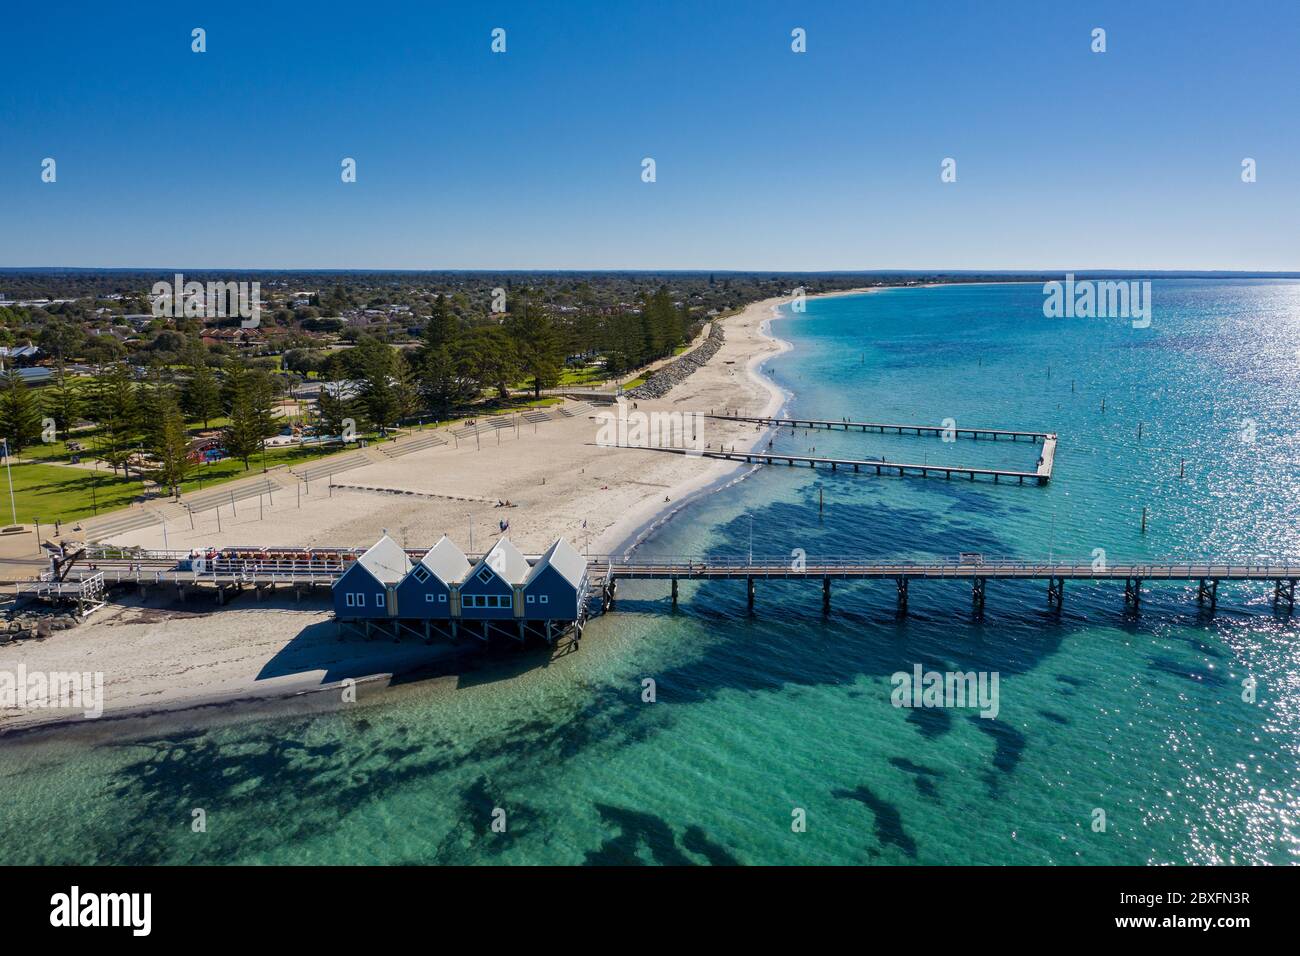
[
  {"x": 447, "y": 562},
  {"x": 561, "y": 556},
  {"x": 506, "y": 561},
  {"x": 386, "y": 560}
]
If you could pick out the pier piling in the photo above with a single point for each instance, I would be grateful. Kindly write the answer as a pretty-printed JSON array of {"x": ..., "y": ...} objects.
[
  {"x": 1056, "y": 593},
  {"x": 1133, "y": 593},
  {"x": 1284, "y": 592}
]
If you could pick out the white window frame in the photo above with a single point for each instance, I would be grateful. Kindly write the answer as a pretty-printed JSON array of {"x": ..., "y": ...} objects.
[
  {"x": 380, "y": 599},
  {"x": 350, "y": 599},
  {"x": 421, "y": 573}
]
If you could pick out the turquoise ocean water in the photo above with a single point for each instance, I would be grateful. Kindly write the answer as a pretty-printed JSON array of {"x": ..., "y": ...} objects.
[{"x": 1141, "y": 717}]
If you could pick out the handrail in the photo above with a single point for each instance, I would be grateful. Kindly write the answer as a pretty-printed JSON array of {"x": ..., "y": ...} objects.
[{"x": 333, "y": 561}]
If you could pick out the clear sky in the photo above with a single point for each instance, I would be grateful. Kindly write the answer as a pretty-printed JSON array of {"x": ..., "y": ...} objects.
[{"x": 766, "y": 159}]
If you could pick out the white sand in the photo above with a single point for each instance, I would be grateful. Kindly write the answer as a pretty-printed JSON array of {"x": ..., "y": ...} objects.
[{"x": 554, "y": 472}]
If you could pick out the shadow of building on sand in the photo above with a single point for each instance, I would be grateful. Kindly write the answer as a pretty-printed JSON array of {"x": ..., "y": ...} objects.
[{"x": 317, "y": 649}]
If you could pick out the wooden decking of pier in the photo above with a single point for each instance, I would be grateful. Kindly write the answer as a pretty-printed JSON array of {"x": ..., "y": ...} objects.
[
  {"x": 979, "y": 571},
  {"x": 1041, "y": 474},
  {"x": 287, "y": 568},
  {"x": 887, "y": 427}
]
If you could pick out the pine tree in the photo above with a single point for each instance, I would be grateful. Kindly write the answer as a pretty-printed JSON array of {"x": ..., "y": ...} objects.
[
  {"x": 442, "y": 329},
  {"x": 249, "y": 406},
  {"x": 112, "y": 407},
  {"x": 405, "y": 387},
  {"x": 169, "y": 447},
  {"x": 201, "y": 395},
  {"x": 20, "y": 418},
  {"x": 379, "y": 393},
  {"x": 152, "y": 396},
  {"x": 537, "y": 343},
  {"x": 438, "y": 381},
  {"x": 62, "y": 399}
]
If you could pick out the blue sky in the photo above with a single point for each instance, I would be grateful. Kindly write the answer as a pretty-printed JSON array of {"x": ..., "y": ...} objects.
[{"x": 766, "y": 159}]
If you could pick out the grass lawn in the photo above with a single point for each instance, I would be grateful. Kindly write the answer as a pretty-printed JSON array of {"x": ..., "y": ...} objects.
[
  {"x": 47, "y": 492},
  {"x": 583, "y": 375}
]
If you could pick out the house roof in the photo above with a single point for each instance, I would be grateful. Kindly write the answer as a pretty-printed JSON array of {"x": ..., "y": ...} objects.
[
  {"x": 506, "y": 561},
  {"x": 386, "y": 560},
  {"x": 446, "y": 561},
  {"x": 561, "y": 556}
]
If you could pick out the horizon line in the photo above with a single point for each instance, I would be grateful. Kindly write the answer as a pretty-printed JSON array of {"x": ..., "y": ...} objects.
[{"x": 1107, "y": 270}]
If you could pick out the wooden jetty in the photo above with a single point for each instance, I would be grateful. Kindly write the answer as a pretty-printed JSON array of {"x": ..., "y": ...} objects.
[
  {"x": 287, "y": 567},
  {"x": 1041, "y": 474},
  {"x": 979, "y": 571},
  {"x": 887, "y": 427}
]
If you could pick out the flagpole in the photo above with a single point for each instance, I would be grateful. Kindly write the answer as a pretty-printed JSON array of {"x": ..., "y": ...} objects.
[{"x": 12, "y": 505}]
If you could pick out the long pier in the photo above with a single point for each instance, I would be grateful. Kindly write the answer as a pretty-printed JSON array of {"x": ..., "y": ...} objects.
[
  {"x": 1041, "y": 474},
  {"x": 885, "y": 428},
  {"x": 979, "y": 571},
  {"x": 303, "y": 567}
]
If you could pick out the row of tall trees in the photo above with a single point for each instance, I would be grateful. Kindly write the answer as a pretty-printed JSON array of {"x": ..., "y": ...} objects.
[
  {"x": 456, "y": 363},
  {"x": 630, "y": 340},
  {"x": 453, "y": 365},
  {"x": 141, "y": 426}
]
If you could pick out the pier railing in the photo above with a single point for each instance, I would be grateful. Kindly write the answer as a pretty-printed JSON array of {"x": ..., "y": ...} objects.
[
  {"x": 324, "y": 564},
  {"x": 271, "y": 567},
  {"x": 1181, "y": 568}
]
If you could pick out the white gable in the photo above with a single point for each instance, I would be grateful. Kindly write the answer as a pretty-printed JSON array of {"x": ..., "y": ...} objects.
[
  {"x": 506, "y": 561},
  {"x": 446, "y": 561},
  {"x": 386, "y": 560},
  {"x": 561, "y": 556}
]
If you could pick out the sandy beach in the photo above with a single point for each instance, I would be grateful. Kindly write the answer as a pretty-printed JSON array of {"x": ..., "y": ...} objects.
[{"x": 559, "y": 481}]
